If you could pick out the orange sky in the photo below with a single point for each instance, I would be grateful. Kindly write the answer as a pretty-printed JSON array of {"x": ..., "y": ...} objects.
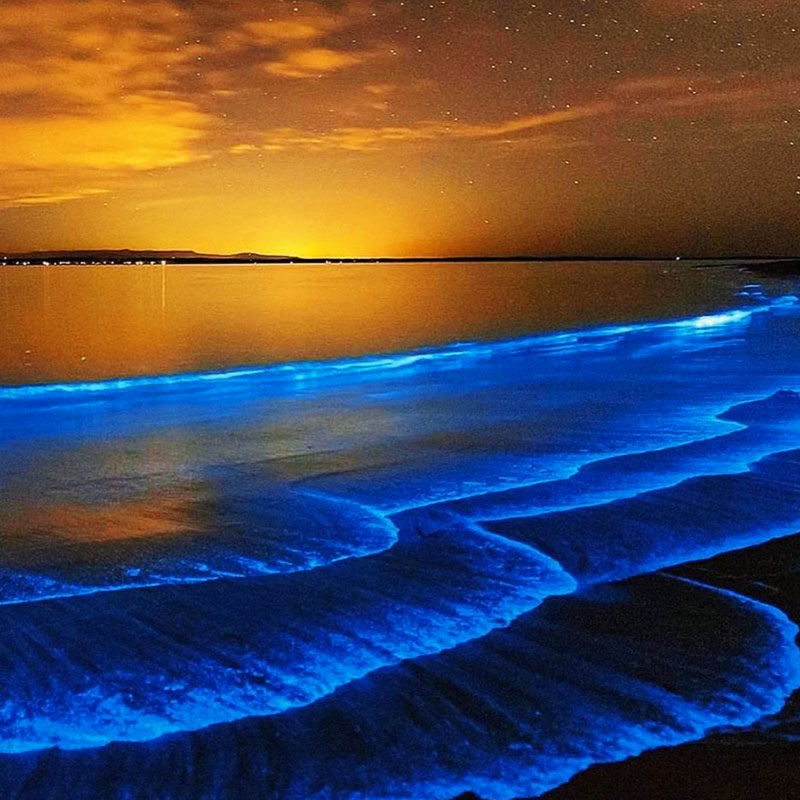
[{"x": 378, "y": 127}]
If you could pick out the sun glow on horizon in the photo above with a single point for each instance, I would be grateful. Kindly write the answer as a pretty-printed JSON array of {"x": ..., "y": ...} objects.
[{"x": 366, "y": 128}]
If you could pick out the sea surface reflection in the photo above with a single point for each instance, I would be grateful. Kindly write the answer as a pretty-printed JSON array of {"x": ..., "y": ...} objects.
[{"x": 69, "y": 323}]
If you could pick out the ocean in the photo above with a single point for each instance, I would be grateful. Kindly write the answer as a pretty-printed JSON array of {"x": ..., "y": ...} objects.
[{"x": 389, "y": 531}]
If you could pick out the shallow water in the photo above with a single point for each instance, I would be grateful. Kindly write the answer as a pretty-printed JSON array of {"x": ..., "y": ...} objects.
[{"x": 402, "y": 575}]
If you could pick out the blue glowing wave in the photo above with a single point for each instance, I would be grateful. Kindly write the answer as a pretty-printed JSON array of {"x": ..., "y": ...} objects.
[
  {"x": 410, "y": 622},
  {"x": 585, "y": 678},
  {"x": 767, "y": 426},
  {"x": 696, "y": 519},
  {"x": 175, "y": 658},
  {"x": 437, "y": 587},
  {"x": 662, "y": 445},
  {"x": 455, "y": 356},
  {"x": 251, "y": 529},
  {"x": 240, "y": 528}
]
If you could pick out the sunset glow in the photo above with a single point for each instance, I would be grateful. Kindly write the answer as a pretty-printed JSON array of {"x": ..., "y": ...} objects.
[{"x": 370, "y": 127}]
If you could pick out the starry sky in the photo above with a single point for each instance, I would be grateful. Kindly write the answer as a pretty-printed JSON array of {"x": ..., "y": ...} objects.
[{"x": 401, "y": 127}]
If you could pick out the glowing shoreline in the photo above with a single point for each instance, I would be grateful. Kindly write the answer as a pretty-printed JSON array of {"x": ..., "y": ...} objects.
[{"x": 455, "y": 354}]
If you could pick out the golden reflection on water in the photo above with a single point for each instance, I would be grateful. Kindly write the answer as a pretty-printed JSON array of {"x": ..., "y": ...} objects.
[
  {"x": 76, "y": 323},
  {"x": 156, "y": 515}
]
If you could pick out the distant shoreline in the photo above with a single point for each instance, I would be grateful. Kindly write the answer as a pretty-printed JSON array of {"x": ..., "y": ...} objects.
[{"x": 789, "y": 264}]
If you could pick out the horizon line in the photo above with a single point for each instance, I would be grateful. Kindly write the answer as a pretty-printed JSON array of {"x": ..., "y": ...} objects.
[{"x": 185, "y": 256}]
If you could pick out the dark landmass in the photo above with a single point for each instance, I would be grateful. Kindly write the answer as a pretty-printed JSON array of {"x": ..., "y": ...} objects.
[
  {"x": 80, "y": 257},
  {"x": 784, "y": 267},
  {"x": 761, "y": 763},
  {"x": 69, "y": 257}
]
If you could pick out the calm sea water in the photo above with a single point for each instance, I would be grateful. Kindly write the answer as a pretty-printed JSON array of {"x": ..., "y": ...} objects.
[{"x": 85, "y": 323}]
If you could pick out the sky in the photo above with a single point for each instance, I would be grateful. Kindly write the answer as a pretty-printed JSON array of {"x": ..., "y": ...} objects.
[{"x": 401, "y": 127}]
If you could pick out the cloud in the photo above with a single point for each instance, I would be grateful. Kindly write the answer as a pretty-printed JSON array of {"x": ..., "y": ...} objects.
[
  {"x": 272, "y": 32},
  {"x": 378, "y": 138},
  {"x": 55, "y": 160},
  {"x": 290, "y": 23},
  {"x": 379, "y": 94},
  {"x": 295, "y": 38},
  {"x": 95, "y": 94},
  {"x": 138, "y": 133},
  {"x": 650, "y": 84},
  {"x": 74, "y": 49},
  {"x": 313, "y": 62},
  {"x": 47, "y": 198},
  {"x": 380, "y": 89},
  {"x": 734, "y": 96}
]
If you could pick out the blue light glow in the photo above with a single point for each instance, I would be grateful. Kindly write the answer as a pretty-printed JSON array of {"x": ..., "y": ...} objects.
[
  {"x": 518, "y": 711},
  {"x": 214, "y": 579},
  {"x": 456, "y": 354},
  {"x": 302, "y": 636}
]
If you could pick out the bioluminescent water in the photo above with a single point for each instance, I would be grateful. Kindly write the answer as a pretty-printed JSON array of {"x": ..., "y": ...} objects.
[{"x": 394, "y": 572}]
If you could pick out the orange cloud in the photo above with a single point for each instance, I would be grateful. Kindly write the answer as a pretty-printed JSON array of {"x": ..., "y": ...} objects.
[
  {"x": 64, "y": 158},
  {"x": 69, "y": 50},
  {"x": 47, "y": 198},
  {"x": 138, "y": 132},
  {"x": 289, "y": 24},
  {"x": 296, "y": 36},
  {"x": 313, "y": 62},
  {"x": 275, "y": 31},
  {"x": 377, "y": 138},
  {"x": 380, "y": 89},
  {"x": 663, "y": 97},
  {"x": 99, "y": 95}
]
